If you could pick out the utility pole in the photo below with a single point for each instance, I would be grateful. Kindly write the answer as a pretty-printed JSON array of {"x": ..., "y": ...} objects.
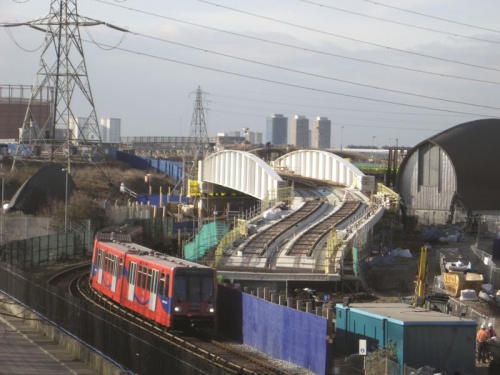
[{"x": 62, "y": 77}]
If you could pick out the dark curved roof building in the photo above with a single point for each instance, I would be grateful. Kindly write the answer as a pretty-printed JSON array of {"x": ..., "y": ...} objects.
[
  {"x": 47, "y": 184},
  {"x": 452, "y": 175}
]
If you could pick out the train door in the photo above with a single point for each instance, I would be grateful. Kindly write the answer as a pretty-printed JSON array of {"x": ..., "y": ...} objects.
[
  {"x": 131, "y": 280},
  {"x": 114, "y": 272},
  {"x": 100, "y": 265},
  {"x": 153, "y": 291}
]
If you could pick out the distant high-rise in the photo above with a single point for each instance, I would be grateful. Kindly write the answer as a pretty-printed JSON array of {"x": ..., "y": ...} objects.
[
  {"x": 299, "y": 135},
  {"x": 322, "y": 132},
  {"x": 277, "y": 129},
  {"x": 255, "y": 138},
  {"x": 111, "y": 130}
]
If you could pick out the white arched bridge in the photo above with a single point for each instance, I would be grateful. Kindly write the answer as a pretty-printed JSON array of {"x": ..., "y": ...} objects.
[{"x": 247, "y": 173}]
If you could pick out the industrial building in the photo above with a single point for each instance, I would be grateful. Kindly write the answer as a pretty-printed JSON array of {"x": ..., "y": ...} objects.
[
  {"x": 422, "y": 337},
  {"x": 14, "y": 101},
  {"x": 448, "y": 177}
]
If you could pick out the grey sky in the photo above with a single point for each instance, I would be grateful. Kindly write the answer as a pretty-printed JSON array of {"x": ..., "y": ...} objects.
[{"x": 326, "y": 74}]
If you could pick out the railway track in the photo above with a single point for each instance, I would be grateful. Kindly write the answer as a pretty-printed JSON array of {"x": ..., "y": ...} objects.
[
  {"x": 308, "y": 241},
  {"x": 259, "y": 244},
  {"x": 213, "y": 350},
  {"x": 65, "y": 279}
]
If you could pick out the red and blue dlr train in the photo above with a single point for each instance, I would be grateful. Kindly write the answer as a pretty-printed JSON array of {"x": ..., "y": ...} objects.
[{"x": 172, "y": 292}]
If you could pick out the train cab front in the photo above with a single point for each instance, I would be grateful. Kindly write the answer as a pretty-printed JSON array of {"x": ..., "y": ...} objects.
[{"x": 194, "y": 315}]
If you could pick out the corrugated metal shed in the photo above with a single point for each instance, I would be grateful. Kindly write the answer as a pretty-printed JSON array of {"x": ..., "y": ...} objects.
[
  {"x": 422, "y": 337},
  {"x": 472, "y": 148}
]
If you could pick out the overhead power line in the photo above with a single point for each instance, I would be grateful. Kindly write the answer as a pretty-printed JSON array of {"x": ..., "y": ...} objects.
[
  {"x": 298, "y": 86},
  {"x": 431, "y": 16},
  {"x": 314, "y": 74},
  {"x": 345, "y": 37},
  {"x": 300, "y": 48},
  {"x": 400, "y": 23}
]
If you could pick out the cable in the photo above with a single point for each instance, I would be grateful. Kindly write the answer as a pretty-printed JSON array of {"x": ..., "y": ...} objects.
[
  {"x": 298, "y": 86},
  {"x": 400, "y": 23},
  {"x": 328, "y": 107},
  {"x": 11, "y": 36},
  {"x": 345, "y": 37},
  {"x": 430, "y": 16},
  {"x": 301, "y": 48},
  {"x": 313, "y": 74}
]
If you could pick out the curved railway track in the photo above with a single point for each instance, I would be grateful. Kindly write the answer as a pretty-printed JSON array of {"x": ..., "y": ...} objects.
[
  {"x": 259, "y": 244},
  {"x": 214, "y": 351},
  {"x": 308, "y": 241},
  {"x": 65, "y": 279}
]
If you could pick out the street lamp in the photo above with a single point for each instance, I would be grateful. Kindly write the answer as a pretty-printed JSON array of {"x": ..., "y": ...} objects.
[
  {"x": 245, "y": 132},
  {"x": 341, "y": 136},
  {"x": 373, "y": 139},
  {"x": 67, "y": 171},
  {"x": 2, "y": 174}
]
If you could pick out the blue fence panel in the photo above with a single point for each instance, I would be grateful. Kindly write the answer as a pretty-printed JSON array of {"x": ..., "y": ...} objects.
[
  {"x": 286, "y": 333},
  {"x": 133, "y": 160}
]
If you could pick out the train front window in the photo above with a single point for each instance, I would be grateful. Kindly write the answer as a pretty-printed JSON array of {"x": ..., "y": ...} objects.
[{"x": 194, "y": 285}]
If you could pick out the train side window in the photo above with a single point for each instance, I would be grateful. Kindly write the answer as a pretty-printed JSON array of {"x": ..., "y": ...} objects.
[
  {"x": 98, "y": 259},
  {"x": 139, "y": 276},
  {"x": 142, "y": 277},
  {"x": 120, "y": 266},
  {"x": 161, "y": 284}
]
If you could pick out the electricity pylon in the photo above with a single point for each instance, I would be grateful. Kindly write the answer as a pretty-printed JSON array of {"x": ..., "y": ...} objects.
[
  {"x": 199, "y": 139},
  {"x": 55, "y": 131}
]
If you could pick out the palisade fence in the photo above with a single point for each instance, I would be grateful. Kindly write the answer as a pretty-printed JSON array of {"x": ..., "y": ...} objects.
[
  {"x": 137, "y": 349},
  {"x": 487, "y": 267},
  {"x": 44, "y": 250}
]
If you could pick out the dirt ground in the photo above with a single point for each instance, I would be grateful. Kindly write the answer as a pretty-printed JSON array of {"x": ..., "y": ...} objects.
[{"x": 389, "y": 281}]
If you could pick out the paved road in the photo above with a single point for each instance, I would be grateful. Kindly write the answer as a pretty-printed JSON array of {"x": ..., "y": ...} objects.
[{"x": 24, "y": 351}]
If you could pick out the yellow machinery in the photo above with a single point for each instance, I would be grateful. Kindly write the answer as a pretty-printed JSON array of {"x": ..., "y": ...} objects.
[{"x": 420, "y": 285}]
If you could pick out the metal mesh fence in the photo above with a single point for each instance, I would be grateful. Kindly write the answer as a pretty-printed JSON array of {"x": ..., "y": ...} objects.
[
  {"x": 38, "y": 251},
  {"x": 134, "y": 347}
]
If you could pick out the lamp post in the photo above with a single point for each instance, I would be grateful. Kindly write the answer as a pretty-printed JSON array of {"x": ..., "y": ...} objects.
[
  {"x": 245, "y": 133},
  {"x": 2, "y": 174},
  {"x": 373, "y": 139},
  {"x": 341, "y": 136},
  {"x": 68, "y": 171}
]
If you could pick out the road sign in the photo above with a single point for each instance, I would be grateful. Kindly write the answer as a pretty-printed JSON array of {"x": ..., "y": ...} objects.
[{"x": 362, "y": 347}]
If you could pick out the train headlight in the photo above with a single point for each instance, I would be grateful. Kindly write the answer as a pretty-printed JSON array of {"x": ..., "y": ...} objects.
[
  {"x": 178, "y": 309},
  {"x": 211, "y": 310}
]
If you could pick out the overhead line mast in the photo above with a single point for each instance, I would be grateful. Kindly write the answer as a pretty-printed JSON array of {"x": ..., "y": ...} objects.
[{"x": 50, "y": 127}]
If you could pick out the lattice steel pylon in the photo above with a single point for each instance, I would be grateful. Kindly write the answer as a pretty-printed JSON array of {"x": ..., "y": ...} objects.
[
  {"x": 198, "y": 130},
  {"x": 198, "y": 133},
  {"x": 63, "y": 73}
]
